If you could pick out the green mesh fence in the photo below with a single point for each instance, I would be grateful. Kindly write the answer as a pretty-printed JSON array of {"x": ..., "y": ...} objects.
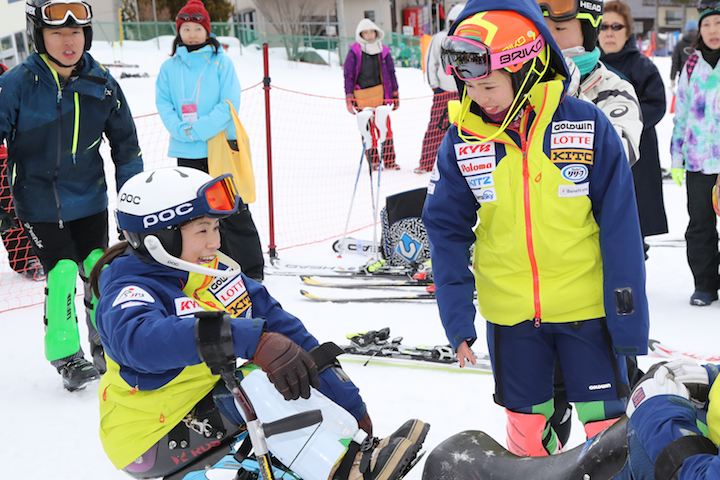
[{"x": 312, "y": 48}]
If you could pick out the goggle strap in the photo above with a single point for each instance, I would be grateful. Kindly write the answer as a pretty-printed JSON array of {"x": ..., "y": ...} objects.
[{"x": 537, "y": 45}]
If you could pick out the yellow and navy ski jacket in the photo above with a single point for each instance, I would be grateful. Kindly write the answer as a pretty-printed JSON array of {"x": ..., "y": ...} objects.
[
  {"x": 54, "y": 136},
  {"x": 145, "y": 316},
  {"x": 551, "y": 210},
  {"x": 661, "y": 419}
]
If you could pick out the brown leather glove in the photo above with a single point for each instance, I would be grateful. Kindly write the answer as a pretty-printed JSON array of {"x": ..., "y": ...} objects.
[
  {"x": 290, "y": 368},
  {"x": 351, "y": 103},
  {"x": 366, "y": 425}
]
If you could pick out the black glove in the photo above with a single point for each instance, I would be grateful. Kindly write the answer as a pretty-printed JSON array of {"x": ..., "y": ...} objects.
[{"x": 290, "y": 368}]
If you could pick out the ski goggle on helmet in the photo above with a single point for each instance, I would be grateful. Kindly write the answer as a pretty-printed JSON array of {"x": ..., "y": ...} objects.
[
  {"x": 706, "y": 7},
  {"x": 493, "y": 41},
  {"x": 153, "y": 205},
  {"x": 479, "y": 46},
  {"x": 58, "y": 13}
]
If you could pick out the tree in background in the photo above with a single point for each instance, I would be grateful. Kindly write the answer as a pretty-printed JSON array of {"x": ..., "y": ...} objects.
[{"x": 286, "y": 16}]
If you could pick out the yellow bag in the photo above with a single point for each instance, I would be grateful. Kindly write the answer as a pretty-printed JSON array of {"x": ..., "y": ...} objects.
[{"x": 222, "y": 158}]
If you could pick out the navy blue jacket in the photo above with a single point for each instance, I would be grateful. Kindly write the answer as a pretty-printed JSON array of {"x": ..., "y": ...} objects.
[
  {"x": 54, "y": 136},
  {"x": 147, "y": 326}
]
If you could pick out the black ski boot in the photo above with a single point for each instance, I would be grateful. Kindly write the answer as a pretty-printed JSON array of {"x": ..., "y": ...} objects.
[
  {"x": 414, "y": 430},
  {"x": 98, "y": 356},
  {"x": 388, "y": 459},
  {"x": 76, "y": 373}
]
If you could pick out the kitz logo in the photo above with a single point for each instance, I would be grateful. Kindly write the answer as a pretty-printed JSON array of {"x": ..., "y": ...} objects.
[
  {"x": 126, "y": 197},
  {"x": 481, "y": 181},
  {"x": 408, "y": 248},
  {"x": 167, "y": 215},
  {"x": 522, "y": 52}
]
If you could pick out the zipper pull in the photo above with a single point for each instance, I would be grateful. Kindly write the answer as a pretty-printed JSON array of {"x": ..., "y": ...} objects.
[{"x": 537, "y": 322}]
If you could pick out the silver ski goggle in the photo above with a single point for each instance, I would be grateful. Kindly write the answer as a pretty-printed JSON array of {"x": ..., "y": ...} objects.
[
  {"x": 57, "y": 14},
  {"x": 472, "y": 60}
]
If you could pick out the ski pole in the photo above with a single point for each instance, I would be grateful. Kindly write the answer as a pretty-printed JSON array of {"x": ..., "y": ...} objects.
[
  {"x": 363, "y": 119},
  {"x": 382, "y": 114}
]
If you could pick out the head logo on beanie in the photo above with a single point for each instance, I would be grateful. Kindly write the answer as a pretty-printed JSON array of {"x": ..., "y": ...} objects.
[{"x": 194, "y": 11}]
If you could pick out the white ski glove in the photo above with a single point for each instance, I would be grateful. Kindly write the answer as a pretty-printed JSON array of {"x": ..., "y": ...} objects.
[
  {"x": 693, "y": 376},
  {"x": 658, "y": 381},
  {"x": 688, "y": 371}
]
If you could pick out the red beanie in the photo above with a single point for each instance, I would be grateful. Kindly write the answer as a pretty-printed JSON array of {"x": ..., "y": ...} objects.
[{"x": 194, "y": 7}]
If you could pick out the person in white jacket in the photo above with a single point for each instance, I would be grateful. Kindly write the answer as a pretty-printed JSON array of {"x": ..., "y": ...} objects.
[
  {"x": 575, "y": 29},
  {"x": 444, "y": 89}
]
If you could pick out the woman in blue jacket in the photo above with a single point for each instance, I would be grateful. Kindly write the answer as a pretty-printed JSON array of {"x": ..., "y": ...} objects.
[
  {"x": 158, "y": 389},
  {"x": 190, "y": 95},
  {"x": 55, "y": 109}
]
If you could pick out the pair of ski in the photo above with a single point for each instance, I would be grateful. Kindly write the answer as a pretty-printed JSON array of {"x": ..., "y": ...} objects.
[
  {"x": 365, "y": 284},
  {"x": 669, "y": 352},
  {"x": 377, "y": 348}
]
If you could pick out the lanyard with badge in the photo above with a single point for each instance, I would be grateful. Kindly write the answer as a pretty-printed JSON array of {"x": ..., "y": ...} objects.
[{"x": 188, "y": 108}]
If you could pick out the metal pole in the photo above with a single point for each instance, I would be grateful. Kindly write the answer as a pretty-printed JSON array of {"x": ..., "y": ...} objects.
[
  {"x": 342, "y": 31},
  {"x": 157, "y": 32},
  {"x": 268, "y": 138}
]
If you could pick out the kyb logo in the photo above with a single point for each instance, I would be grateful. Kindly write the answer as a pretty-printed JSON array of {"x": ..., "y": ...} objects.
[
  {"x": 126, "y": 197},
  {"x": 167, "y": 215},
  {"x": 522, "y": 52},
  {"x": 466, "y": 150},
  {"x": 476, "y": 166},
  {"x": 571, "y": 140},
  {"x": 185, "y": 306}
]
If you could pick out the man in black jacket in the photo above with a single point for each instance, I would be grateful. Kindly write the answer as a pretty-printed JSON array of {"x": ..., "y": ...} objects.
[{"x": 682, "y": 50}]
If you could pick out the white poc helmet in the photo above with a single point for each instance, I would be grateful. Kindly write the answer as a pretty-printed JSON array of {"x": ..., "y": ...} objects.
[{"x": 152, "y": 206}]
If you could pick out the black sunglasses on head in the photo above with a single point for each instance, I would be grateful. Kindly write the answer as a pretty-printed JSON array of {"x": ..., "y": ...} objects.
[
  {"x": 195, "y": 17},
  {"x": 616, "y": 27}
]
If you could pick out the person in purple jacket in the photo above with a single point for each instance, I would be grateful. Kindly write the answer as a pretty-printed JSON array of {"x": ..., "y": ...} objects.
[{"x": 370, "y": 81}]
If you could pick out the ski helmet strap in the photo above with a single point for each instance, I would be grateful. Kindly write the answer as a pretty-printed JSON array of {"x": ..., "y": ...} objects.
[{"x": 515, "y": 107}]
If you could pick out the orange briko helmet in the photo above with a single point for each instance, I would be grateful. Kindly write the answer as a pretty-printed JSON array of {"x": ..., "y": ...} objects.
[{"x": 500, "y": 30}]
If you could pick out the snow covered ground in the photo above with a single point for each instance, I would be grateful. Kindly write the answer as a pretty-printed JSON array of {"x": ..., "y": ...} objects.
[{"x": 54, "y": 434}]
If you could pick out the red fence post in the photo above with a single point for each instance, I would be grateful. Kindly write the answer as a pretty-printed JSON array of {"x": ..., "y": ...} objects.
[{"x": 271, "y": 210}]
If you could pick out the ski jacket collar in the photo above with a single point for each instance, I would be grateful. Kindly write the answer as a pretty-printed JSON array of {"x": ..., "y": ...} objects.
[
  {"x": 203, "y": 54},
  {"x": 92, "y": 80}
]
